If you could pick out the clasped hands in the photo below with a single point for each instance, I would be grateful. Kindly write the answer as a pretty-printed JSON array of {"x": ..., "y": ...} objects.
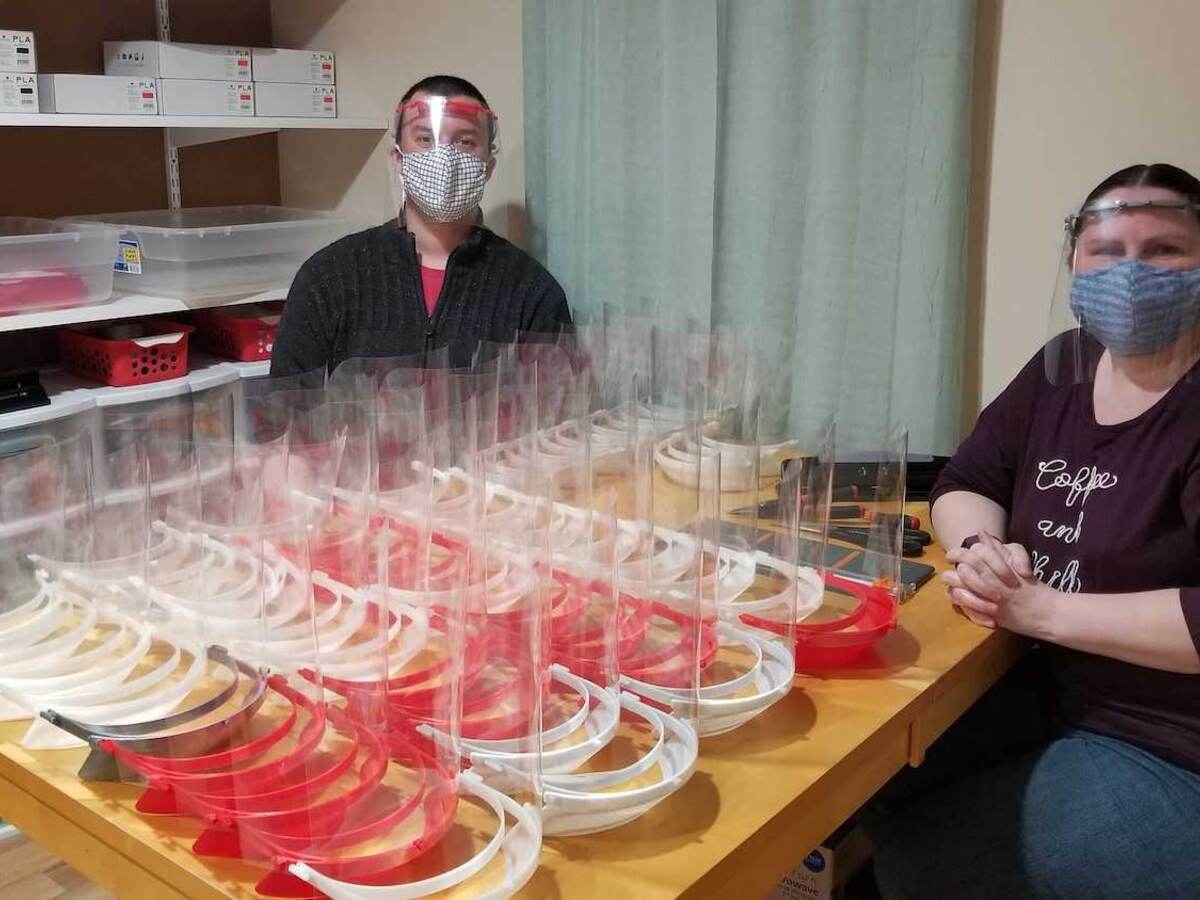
[{"x": 994, "y": 585}]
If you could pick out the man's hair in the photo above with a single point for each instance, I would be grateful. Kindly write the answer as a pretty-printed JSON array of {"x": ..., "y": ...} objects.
[
  {"x": 445, "y": 86},
  {"x": 449, "y": 86}
]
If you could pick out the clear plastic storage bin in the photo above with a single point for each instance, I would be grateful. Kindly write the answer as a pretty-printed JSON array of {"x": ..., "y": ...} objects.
[
  {"x": 65, "y": 418},
  {"x": 117, "y": 416},
  {"x": 220, "y": 250},
  {"x": 53, "y": 265}
]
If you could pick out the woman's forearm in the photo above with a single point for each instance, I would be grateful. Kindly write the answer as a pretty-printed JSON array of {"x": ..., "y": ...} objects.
[
  {"x": 1147, "y": 628},
  {"x": 960, "y": 514}
]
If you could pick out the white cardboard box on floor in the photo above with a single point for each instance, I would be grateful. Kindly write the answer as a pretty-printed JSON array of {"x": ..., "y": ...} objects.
[
  {"x": 189, "y": 97},
  {"x": 823, "y": 873},
  {"x": 293, "y": 66},
  {"x": 18, "y": 93},
  {"x": 18, "y": 52},
  {"x": 309, "y": 100},
  {"x": 114, "y": 95},
  {"x": 159, "y": 59}
]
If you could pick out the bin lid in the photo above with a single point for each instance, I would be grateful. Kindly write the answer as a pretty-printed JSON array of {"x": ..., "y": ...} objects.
[
  {"x": 103, "y": 395},
  {"x": 209, "y": 373},
  {"x": 61, "y": 405}
]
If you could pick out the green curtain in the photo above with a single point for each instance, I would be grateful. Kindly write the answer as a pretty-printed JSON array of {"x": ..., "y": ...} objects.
[{"x": 794, "y": 168}]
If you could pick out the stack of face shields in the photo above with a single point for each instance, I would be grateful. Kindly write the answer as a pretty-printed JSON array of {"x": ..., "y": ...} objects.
[
  {"x": 380, "y": 631},
  {"x": 405, "y": 675},
  {"x": 863, "y": 588},
  {"x": 142, "y": 677}
]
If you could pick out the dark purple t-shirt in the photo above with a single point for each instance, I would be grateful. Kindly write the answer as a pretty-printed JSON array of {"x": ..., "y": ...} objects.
[{"x": 1101, "y": 509}]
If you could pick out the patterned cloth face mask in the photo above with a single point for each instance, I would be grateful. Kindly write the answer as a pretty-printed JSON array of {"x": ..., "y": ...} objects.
[
  {"x": 1134, "y": 308},
  {"x": 444, "y": 183}
]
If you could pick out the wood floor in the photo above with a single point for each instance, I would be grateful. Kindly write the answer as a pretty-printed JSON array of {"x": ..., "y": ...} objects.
[{"x": 27, "y": 872}]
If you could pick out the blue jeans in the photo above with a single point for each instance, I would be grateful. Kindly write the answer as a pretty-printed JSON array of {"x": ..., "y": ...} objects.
[{"x": 1080, "y": 816}]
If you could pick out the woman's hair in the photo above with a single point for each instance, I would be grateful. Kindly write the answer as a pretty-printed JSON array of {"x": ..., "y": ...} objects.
[{"x": 1157, "y": 175}]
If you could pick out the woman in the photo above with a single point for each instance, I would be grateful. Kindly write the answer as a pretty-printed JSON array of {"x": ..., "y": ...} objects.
[{"x": 1073, "y": 511}]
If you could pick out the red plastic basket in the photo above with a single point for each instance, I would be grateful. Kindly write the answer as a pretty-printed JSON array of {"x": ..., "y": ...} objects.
[
  {"x": 158, "y": 354},
  {"x": 246, "y": 335}
]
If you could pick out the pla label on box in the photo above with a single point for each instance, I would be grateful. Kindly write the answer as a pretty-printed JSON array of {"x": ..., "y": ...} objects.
[
  {"x": 143, "y": 97},
  {"x": 321, "y": 68},
  {"x": 17, "y": 52},
  {"x": 237, "y": 63},
  {"x": 18, "y": 93},
  {"x": 241, "y": 99},
  {"x": 323, "y": 101},
  {"x": 129, "y": 258}
]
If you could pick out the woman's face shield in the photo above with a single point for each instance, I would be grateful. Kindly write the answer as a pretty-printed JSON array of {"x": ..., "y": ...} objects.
[
  {"x": 1162, "y": 231},
  {"x": 1128, "y": 286}
]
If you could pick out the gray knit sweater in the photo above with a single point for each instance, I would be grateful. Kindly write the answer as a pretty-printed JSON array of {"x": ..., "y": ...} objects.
[{"x": 361, "y": 297}]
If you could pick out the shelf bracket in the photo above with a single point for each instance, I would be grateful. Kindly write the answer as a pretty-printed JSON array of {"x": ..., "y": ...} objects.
[
  {"x": 190, "y": 137},
  {"x": 171, "y": 154},
  {"x": 162, "y": 19}
]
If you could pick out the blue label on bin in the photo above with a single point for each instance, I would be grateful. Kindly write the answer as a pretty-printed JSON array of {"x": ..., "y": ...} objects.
[
  {"x": 814, "y": 862},
  {"x": 129, "y": 258}
]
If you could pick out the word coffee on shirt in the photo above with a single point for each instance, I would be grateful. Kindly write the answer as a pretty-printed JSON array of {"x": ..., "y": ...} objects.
[{"x": 1055, "y": 475}]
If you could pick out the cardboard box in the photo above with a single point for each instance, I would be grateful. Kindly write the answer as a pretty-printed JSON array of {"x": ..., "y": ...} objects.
[
  {"x": 188, "y": 97},
  {"x": 18, "y": 52},
  {"x": 310, "y": 100},
  {"x": 157, "y": 59},
  {"x": 824, "y": 873},
  {"x": 101, "y": 94},
  {"x": 293, "y": 66},
  {"x": 18, "y": 93}
]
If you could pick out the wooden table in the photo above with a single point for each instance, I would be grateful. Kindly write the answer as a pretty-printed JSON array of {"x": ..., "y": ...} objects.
[{"x": 760, "y": 799}]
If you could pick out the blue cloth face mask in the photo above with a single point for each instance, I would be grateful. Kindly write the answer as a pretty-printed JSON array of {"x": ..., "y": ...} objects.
[{"x": 1134, "y": 308}]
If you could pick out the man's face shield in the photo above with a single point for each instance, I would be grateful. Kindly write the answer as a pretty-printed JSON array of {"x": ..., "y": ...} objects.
[
  {"x": 426, "y": 122},
  {"x": 444, "y": 152}
]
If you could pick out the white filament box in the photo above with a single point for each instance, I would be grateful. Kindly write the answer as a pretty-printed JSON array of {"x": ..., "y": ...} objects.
[
  {"x": 308, "y": 100},
  {"x": 188, "y": 97},
  {"x": 159, "y": 59},
  {"x": 102, "y": 94},
  {"x": 294, "y": 66}
]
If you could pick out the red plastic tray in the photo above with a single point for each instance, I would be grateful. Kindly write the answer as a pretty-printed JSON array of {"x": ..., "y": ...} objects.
[
  {"x": 123, "y": 362},
  {"x": 242, "y": 338}
]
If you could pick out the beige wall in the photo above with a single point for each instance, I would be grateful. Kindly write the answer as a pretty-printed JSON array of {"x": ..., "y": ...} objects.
[
  {"x": 1081, "y": 88},
  {"x": 382, "y": 47}
]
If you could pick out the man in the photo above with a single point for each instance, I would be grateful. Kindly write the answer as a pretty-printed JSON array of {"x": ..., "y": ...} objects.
[{"x": 433, "y": 277}]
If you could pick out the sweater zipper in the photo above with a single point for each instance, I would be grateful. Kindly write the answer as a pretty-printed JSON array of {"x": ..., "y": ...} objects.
[{"x": 430, "y": 321}]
